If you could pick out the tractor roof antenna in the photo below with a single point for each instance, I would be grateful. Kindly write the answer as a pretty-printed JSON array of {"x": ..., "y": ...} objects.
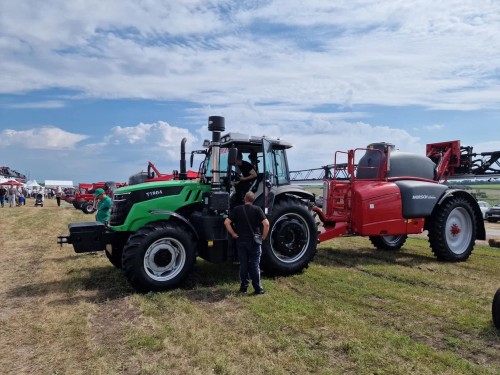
[{"x": 216, "y": 124}]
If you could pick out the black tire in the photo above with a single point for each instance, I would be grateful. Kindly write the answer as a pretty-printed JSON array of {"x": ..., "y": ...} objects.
[
  {"x": 88, "y": 207},
  {"x": 159, "y": 256},
  {"x": 452, "y": 230},
  {"x": 77, "y": 204},
  {"x": 291, "y": 243},
  {"x": 389, "y": 243},
  {"x": 492, "y": 220},
  {"x": 115, "y": 256},
  {"x": 495, "y": 309}
]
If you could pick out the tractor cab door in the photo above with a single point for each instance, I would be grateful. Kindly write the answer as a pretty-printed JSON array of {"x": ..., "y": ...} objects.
[{"x": 269, "y": 178}]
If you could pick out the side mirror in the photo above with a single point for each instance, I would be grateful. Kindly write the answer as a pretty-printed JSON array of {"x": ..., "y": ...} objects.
[{"x": 232, "y": 156}]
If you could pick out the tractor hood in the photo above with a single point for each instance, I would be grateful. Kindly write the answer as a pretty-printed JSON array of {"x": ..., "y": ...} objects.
[
  {"x": 154, "y": 190},
  {"x": 136, "y": 205}
]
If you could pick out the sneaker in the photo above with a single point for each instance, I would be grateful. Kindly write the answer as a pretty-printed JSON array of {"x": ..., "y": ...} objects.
[
  {"x": 243, "y": 290},
  {"x": 259, "y": 291}
]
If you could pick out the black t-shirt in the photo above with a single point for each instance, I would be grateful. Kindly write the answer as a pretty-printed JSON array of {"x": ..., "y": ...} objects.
[
  {"x": 244, "y": 186},
  {"x": 255, "y": 217},
  {"x": 245, "y": 168},
  {"x": 3, "y": 191}
]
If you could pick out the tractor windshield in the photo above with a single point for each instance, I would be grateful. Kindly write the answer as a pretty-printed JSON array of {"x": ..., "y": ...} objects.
[{"x": 223, "y": 164}]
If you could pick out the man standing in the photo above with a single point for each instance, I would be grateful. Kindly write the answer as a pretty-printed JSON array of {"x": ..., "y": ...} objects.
[
  {"x": 58, "y": 195},
  {"x": 248, "y": 219},
  {"x": 103, "y": 206},
  {"x": 12, "y": 196},
  {"x": 248, "y": 175},
  {"x": 3, "y": 194}
]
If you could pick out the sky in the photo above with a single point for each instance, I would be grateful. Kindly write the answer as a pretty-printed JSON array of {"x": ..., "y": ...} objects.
[{"x": 93, "y": 90}]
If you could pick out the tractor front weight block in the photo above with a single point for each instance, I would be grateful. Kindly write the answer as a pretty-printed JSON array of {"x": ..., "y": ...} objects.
[{"x": 87, "y": 237}]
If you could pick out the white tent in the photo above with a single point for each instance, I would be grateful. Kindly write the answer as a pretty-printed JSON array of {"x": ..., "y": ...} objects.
[
  {"x": 32, "y": 184},
  {"x": 56, "y": 183}
]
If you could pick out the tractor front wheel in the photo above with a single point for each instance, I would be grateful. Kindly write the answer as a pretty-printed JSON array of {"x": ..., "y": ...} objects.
[
  {"x": 390, "y": 243},
  {"x": 452, "y": 230},
  {"x": 158, "y": 256}
]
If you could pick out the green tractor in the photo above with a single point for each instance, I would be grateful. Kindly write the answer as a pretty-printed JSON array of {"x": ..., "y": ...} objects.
[{"x": 157, "y": 229}]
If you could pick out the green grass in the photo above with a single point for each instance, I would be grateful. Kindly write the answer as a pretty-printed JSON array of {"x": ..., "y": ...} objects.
[{"x": 355, "y": 310}]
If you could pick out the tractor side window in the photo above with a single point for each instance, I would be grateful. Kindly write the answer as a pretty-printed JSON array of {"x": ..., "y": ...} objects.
[{"x": 281, "y": 167}]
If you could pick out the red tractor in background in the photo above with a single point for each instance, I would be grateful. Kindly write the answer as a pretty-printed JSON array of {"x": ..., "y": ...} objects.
[
  {"x": 386, "y": 195},
  {"x": 84, "y": 195}
]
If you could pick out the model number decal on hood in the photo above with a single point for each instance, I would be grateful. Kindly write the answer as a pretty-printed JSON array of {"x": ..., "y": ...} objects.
[{"x": 153, "y": 193}]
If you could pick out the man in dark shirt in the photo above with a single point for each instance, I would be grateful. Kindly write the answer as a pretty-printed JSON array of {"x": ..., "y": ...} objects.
[
  {"x": 248, "y": 176},
  {"x": 248, "y": 219},
  {"x": 3, "y": 195}
]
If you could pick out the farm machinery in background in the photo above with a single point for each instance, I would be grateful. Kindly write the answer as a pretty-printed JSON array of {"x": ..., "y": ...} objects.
[
  {"x": 158, "y": 228},
  {"x": 83, "y": 198},
  {"x": 153, "y": 174}
]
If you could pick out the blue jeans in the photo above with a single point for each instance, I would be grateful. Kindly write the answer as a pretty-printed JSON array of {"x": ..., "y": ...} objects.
[
  {"x": 249, "y": 254},
  {"x": 2, "y": 200}
]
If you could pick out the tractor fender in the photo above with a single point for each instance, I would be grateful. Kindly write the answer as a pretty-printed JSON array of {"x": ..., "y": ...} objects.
[
  {"x": 177, "y": 218},
  {"x": 419, "y": 198},
  {"x": 480, "y": 230},
  {"x": 278, "y": 192},
  {"x": 295, "y": 190}
]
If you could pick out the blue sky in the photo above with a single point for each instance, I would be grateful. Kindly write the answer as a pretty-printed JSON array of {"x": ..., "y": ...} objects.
[{"x": 93, "y": 90}]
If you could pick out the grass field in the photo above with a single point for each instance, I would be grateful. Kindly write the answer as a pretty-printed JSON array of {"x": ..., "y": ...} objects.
[{"x": 355, "y": 310}]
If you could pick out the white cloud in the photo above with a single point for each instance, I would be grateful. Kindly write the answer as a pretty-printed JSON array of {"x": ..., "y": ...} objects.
[
  {"x": 159, "y": 134},
  {"x": 212, "y": 52},
  {"x": 434, "y": 127},
  {"x": 46, "y": 138},
  {"x": 48, "y": 104}
]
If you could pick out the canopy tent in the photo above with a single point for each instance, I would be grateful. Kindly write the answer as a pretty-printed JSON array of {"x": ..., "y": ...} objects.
[
  {"x": 11, "y": 182},
  {"x": 32, "y": 184},
  {"x": 56, "y": 183}
]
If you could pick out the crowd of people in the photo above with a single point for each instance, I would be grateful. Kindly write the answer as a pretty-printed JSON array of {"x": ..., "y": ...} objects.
[{"x": 14, "y": 196}]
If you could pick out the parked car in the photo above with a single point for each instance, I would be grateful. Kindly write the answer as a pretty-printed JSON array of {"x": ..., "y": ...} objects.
[
  {"x": 493, "y": 214},
  {"x": 484, "y": 206}
]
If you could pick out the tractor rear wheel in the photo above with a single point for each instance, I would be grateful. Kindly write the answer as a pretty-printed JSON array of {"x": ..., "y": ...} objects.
[
  {"x": 391, "y": 243},
  {"x": 452, "y": 230},
  {"x": 291, "y": 243},
  {"x": 158, "y": 256},
  {"x": 495, "y": 309}
]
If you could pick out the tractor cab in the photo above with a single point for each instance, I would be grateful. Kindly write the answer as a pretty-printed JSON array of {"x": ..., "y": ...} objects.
[{"x": 268, "y": 159}]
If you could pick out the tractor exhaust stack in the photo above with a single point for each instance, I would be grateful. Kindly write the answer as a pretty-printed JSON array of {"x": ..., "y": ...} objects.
[{"x": 216, "y": 125}]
